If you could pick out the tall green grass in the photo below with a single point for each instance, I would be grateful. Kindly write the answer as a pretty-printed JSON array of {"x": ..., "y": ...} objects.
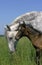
[{"x": 24, "y": 55}]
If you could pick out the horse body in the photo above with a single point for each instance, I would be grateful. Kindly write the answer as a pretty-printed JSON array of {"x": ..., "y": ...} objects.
[
  {"x": 38, "y": 42},
  {"x": 34, "y": 36}
]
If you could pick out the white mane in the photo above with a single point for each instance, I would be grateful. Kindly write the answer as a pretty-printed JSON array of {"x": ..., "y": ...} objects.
[{"x": 34, "y": 18}]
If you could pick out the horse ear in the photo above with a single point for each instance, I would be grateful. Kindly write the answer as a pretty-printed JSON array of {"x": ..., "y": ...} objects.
[
  {"x": 24, "y": 23},
  {"x": 8, "y": 28},
  {"x": 21, "y": 22}
]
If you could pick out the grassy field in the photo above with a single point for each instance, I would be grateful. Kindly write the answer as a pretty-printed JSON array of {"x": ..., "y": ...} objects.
[{"x": 24, "y": 55}]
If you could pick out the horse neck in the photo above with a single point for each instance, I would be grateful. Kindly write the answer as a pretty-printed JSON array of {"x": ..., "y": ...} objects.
[{"x": 31, "y": 34}]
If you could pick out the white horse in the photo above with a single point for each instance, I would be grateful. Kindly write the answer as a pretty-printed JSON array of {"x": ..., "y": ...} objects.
[{"x": 33, "y": 18}]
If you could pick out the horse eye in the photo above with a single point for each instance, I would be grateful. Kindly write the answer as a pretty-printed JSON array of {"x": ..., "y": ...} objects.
[{"x": 10, "y": 38}]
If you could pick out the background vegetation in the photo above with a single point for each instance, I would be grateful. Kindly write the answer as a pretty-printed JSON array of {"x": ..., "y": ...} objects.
[{"x": 24, "y": 55}]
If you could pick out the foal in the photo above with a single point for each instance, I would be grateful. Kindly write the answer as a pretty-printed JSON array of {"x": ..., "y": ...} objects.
[{"x": 35, "y": 37}]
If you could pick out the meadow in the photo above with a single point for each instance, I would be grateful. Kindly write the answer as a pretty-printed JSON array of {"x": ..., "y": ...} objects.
[{"x": 24, "y": 55}]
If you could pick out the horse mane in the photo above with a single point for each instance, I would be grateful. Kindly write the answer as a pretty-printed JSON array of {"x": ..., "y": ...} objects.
[{"x": 33, "y": 30}]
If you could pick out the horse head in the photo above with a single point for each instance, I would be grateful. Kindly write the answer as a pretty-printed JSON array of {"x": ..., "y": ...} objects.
[
  {"x": 24, "y": 30},
  {"x": 28, "y": 31}
]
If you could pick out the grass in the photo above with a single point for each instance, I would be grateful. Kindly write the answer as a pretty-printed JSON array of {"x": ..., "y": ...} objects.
[{"x": 24, "y": 55}]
